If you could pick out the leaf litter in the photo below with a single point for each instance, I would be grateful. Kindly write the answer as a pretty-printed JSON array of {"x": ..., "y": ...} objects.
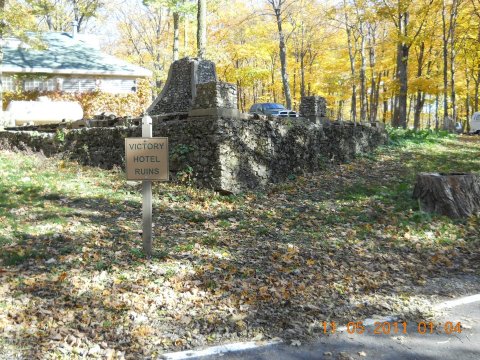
[{"x": 341, "y": 245}]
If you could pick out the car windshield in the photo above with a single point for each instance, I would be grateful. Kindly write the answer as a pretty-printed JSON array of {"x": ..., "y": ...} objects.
[{"x": 273, "y": 106}]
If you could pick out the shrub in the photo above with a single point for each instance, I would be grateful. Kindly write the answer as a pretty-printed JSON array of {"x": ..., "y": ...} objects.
[
  {"x": 399, "y": 136},
  {"x": 93, "y": 102}
]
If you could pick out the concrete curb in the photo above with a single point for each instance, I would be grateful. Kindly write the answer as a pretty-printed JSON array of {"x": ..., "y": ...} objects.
[
  {"x": 240, "y": 346},
  {"x": 220, "y": 349}
]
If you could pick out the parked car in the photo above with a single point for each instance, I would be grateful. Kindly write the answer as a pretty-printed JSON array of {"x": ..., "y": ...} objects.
[
  {"x": 475, "y": 123},
  {"x": 287, "y": 113},
  {"x": 272, "y": 109}
]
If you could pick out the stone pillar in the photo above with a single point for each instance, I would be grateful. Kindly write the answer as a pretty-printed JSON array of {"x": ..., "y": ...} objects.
[
  {"x": 216, "y": 95},
  {"x": 215, "y": 98},
  {"x": 314, "y": 108},
  {"x": 179, "y": 92}
]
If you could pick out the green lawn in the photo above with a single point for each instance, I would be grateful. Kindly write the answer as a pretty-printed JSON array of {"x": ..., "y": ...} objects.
[{"x": 343, "y": 244}]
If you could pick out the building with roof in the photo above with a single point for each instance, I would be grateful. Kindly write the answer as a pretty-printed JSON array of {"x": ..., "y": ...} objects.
[{"x": 66, "y": 62}]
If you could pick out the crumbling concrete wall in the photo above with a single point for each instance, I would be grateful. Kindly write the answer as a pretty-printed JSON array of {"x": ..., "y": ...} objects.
[
  {"x": 220, "y": 153},
  {"x": 254, "y": 153},
  {"x": 30, "y": 141}
]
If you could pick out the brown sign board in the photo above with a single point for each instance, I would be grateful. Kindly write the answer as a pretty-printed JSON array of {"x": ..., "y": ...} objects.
[{"x": 146, "y": 159}]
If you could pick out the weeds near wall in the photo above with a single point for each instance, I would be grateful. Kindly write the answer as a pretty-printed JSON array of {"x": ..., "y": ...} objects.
[
  {"x": 60, "y": 135},
  {"x": 86, "y": 150},
  {"x": 179, "y": 154},
  {"x": 180, "y": 151},
  {"x": 185, "y": 176}
]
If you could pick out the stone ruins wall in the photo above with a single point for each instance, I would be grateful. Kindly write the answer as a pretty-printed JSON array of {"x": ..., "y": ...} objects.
[
  {"x": 29, "y": 141},
  {"x": 210, "y": 140},
  {"x": 220, "y": 153},
  {"x": 254, "y": 153}
]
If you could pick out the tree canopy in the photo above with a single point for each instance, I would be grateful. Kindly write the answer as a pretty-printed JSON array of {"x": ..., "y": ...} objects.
[{"x": 411, "y": 63}]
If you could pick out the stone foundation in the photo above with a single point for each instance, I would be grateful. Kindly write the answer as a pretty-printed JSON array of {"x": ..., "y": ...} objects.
[{"x": 227, "y": 154}]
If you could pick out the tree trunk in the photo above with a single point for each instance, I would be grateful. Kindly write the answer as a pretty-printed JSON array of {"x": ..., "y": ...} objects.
[
  {"x": 176, "y": 25},
  {"x": 477, "y": 78},
  {"x": 411, "y": 100},
  {"x": 385, "y": 99},
  {"x": 340, "y": 111},
  {"x": 467, "y": 102},
  {"x": 376, "y": 98},
  {"x": 477, "y": 88},
  {"x": 302, "y": 64},
  {"x": 477, "y": 85},
  {"x": 454, "y": 195},
  {"x": 185, "y": 36},
  {"x": 374, "y": 87},
  {"x": 351, "y": 56},
  {"x": 202, "y": 28},
  {"x": 453, "y": 25},
  {"x": 302, "y": 75},
  {"x": 239, "y": 95},
  {"x": 400, "y": 114},
  {"x": 429, "y": 125},
  {"x": 353, "y": 110},
  {"x": 283, "y": 58},
  {"x": 420, "y": 96},
  {"x": 363, "y": 77},
  {"x": 445, "y": 60},
  {"x": 418, "y": 110},
  {"x": 294, "y": 87},
  {"x": 272, "y": 74}
]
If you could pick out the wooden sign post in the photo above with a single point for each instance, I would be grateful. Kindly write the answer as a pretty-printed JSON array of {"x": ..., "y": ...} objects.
[{"x": 147, "y": 160}]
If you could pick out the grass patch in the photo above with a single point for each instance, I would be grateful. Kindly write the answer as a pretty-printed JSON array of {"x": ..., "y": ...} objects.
[
  {"x": 20, "y": 256},
  {"x": 402, "y": 137}
]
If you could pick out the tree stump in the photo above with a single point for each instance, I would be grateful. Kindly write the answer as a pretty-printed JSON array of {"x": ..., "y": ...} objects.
[{"x": 455, "y": 195}]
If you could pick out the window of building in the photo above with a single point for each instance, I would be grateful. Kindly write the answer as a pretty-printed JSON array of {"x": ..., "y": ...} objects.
[
  {"x": 39, "y": 84},
  {"x": 78, "y": 85},
  {"x": 8, "y": 83},
  {"x": 118, "y": 86}
]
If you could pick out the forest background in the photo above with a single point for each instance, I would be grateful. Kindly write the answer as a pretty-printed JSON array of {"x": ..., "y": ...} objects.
[{"x": 408, "y": 63}]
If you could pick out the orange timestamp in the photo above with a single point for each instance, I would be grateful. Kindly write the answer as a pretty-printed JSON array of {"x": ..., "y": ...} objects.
[{"x": 394, "y": 328}]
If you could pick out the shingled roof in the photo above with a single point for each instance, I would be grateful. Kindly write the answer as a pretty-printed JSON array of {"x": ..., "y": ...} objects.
[{"x": 59, "y": 53}]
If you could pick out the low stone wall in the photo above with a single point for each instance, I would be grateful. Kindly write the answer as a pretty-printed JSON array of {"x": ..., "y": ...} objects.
[
  {"x": 29, "y": 141},
  {"x": 254, "y": 153},
  {"x": 221, "y": 153}
]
